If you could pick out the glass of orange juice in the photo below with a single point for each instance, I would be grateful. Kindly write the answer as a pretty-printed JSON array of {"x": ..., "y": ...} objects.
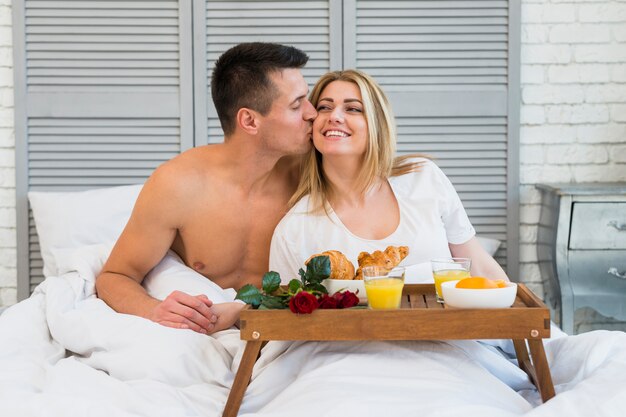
[
  {"x": 449, "y": 269},
  {"x": 383, "y": 287}
]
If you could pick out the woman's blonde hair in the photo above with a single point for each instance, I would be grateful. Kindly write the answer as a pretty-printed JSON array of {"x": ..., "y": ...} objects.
[{"x": 379, "y": 160}]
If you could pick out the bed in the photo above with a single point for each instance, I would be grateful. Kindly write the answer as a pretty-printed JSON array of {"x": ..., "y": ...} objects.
[{"x": 64, "y": 352}]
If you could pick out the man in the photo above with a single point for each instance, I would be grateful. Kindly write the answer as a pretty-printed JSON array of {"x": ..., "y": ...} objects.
[{"x": 216, "y": 206}]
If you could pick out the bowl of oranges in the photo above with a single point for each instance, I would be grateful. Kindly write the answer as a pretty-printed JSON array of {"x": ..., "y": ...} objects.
[{"x": 479, "y": 292}]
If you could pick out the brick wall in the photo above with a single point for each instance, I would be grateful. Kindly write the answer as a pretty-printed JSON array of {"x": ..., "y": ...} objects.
[
  {"x": 8, "y": 275},
  {"x": 573, "y": 111}
]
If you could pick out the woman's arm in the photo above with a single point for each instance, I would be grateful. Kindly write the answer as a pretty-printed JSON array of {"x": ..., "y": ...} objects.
[{"x": 482, "y": 263}]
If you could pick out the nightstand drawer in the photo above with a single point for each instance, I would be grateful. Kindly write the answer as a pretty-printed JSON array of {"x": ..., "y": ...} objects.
[
  {"x": 596, "y": 272},
  {"x": 598, "y": 226}
]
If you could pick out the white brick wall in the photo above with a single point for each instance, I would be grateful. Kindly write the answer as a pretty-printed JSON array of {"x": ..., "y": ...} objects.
[
  {"x": 8, "y": 274},
  {"x": 573, "y": 111},
  {"x": 573, "y": 116}
]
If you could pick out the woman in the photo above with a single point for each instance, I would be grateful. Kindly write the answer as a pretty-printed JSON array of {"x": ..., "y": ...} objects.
[{"x": 355, "y": 196}]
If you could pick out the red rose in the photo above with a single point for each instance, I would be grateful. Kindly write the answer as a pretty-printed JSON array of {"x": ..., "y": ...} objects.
[
  {"x": 348, "y": 300},
  {"x": 338, "y": 296},
  {"x": 303, "y": 303},
  {"x": 328, "y": 302}
]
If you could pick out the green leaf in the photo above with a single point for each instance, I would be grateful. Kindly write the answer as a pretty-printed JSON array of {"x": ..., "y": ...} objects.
[
  {"x": 302, "y": 274},
  {"x": 282, "y": 295},
  {"x": 317, "y": 270},
  {"x": 271, "y": 282},
  {"x": 272, "y": 302},
  {"x": 315, "y": 287},
  {"x": 249, "y": 294},
  {"x": 294, "y": 286}
]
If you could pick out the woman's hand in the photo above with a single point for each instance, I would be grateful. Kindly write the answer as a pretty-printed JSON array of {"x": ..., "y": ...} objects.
[{"x": 227, "y": 315}]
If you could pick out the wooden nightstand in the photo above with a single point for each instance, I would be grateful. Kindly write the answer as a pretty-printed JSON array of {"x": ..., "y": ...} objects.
[{"x": 581, "y": 247}]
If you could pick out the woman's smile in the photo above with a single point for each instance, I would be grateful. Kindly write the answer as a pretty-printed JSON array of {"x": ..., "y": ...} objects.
[{"x": 335, "y": 134}]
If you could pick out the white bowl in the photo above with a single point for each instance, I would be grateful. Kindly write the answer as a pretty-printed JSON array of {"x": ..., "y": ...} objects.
[
  {"x": 353, "y": 285},
  {"x": 478, "y": 298}
]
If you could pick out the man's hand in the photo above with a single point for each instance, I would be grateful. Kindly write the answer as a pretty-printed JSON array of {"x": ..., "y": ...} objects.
[{"x": 184, "y": 311}]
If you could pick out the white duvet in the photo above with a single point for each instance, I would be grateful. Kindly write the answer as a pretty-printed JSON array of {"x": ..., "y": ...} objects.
[{"x": 63, "y": 352}]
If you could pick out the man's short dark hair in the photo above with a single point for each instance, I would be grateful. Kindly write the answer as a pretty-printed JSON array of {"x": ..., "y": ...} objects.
[{"x": 241, "y": 78}]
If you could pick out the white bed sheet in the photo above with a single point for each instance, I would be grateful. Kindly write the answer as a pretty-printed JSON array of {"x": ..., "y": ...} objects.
[{"x": 63, "y": 352}]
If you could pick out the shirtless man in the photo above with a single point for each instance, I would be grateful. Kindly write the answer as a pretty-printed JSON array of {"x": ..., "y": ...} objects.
[{"x": 216, "y": 206}]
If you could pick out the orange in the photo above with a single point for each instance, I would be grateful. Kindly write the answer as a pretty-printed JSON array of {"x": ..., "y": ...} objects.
[
  {"x": 477, "y": 283},
  {"x": 500, "y": 283}
]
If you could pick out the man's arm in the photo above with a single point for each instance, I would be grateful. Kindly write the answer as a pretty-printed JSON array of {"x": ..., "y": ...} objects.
[{"x": 145, "y": 240}]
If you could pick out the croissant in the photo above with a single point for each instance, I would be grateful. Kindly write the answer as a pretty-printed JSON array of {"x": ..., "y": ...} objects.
[
  {"x": 340, "y": 266},
  {"x": 390, "y": 258}
]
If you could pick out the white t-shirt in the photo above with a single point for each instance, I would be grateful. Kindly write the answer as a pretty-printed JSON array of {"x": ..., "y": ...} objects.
[{"x": 431, "y": 216}]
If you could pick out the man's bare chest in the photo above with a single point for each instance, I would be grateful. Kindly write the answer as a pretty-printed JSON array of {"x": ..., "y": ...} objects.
[{"x": 230, "y": 245}]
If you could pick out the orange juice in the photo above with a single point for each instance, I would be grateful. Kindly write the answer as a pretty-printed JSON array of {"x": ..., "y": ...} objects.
[
  {"x": 448, "y": 275},
  {"x": 384, "y": 292}
]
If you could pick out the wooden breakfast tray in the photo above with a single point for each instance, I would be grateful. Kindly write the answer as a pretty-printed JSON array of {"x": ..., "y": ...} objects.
[{"x": 420, "y": 317}]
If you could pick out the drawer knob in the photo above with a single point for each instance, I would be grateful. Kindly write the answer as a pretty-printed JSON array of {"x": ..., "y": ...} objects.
[
  {"x": 614, "y": 271},
  {"x": 619, "y": 226}
]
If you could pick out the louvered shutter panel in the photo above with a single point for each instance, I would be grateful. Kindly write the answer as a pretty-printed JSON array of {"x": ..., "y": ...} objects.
[
  {"x": 445, "y": 66},
  {"x": 107, "y": 97},
  {"x": 313, "y": 26}
]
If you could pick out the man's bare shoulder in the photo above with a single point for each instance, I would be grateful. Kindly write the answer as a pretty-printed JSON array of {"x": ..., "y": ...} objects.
[
  {"x": 188, "y": 171},
  {"x": 218, "y": 170}
]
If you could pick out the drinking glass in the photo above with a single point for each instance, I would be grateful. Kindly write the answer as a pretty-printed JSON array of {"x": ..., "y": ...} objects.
[
  {"x": 449, "y": 269},
  {"x": 383, "y": 286}
]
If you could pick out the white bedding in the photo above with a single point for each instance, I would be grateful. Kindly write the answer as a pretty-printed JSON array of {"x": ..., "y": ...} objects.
[{"x": 63, "y": 352}]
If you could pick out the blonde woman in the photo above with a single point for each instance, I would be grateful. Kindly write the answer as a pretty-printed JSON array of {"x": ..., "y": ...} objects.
[{"x": 354, "y": 195}]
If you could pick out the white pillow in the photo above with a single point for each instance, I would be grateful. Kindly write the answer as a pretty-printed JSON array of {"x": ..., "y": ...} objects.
[
  {"x": 87, "y": 260},
  {"x": 172, "y": 274},
  {"x": 489, "y": 244},
  {"x": 73, "y": 219}
]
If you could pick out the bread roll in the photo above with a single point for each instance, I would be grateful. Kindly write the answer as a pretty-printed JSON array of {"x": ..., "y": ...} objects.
[
  {"x": 389, "y": 259},
  {"x": 340, "y": 266}
]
